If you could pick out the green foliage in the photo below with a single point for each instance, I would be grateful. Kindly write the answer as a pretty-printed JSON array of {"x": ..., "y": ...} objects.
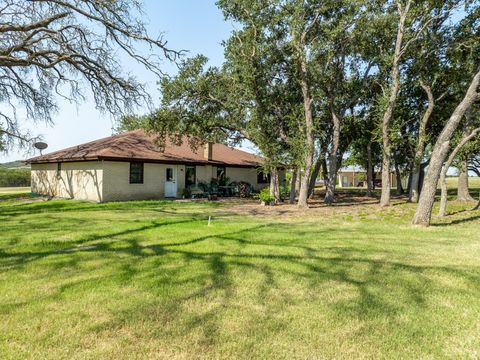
[
  {"x": 14, "y": 177},
  {"x": 265, "y": 196},
  {"x": 131, "y": 122},
  {"x": 187, "y": 193},
  {"x": 284, "y": 191},
  {"x": 343, "y": 52}
]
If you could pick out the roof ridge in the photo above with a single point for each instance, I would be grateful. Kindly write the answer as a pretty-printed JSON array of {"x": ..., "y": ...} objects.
[
  {"x": 139, "y": 144},
  {"x": 85, "y": 143},
  {"x": 235, "y": 149}
]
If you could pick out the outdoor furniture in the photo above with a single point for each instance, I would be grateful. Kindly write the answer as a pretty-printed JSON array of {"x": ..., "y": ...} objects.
[{"x": 197, "y": 192}]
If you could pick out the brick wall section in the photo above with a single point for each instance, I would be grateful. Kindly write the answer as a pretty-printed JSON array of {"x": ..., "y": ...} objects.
[{"x": 76, "y": 180}]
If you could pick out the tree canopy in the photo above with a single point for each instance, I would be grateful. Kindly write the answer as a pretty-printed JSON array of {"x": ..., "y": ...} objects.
[{"x": 52, "y": 49}]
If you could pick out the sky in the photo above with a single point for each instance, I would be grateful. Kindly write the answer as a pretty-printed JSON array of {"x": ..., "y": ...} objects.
[{"x": 197, "y": 26}]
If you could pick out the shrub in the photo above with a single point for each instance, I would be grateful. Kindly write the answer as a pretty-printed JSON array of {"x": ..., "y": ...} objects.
[
  {"x": 284, "y": 192},
  {"x": 187, "y": 193},
  {"x": 265, "y": 196},
  {"x": 204, "y": 186}
]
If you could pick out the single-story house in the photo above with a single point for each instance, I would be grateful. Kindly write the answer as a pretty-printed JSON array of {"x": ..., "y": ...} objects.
[
  {"x": 356, "y": 176},
  {"x": 131, "y": 166}
]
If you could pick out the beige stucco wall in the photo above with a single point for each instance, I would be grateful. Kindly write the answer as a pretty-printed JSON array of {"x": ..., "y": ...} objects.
[
  {"x": 79, "y": 180},
  {"x": 206, "y": 173},
  {"x": 110, "y": 180},
  {"x": 117, "y": 181}
]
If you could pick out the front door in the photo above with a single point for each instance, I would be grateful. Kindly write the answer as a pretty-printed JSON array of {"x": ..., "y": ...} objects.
[{"x": 171, "y": 182}]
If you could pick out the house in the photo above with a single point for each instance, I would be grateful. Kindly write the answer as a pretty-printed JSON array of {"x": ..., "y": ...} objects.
[
  {"x": 356, "y": 176},
  {"x": 132, "y": 166}
]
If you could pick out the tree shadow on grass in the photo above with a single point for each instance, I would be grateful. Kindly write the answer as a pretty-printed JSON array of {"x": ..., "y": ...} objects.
[
  {"x": 60, "y": 205},
  {"x": 198, "y": 301},
  {"x": 219, "y": 287},
  {"x": 457, "y": 221}
]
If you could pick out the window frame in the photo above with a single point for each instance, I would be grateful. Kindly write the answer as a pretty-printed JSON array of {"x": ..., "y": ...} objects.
[
  {"x": 141, "y": 174},
  {"x": 263, "y": 178},
  {"x": 166, "y": 174},
  {"x": 219, "y": 179},
  {"x": 194, "y": 175},
  {"x": 59, "y": 169}
]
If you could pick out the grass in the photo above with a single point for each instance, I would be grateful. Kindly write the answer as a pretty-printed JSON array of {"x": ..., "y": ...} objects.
[
  {"x": 152, "y": 280},
  {"x": 473, "y": 181},
  {"x": 6, "y": 192}
]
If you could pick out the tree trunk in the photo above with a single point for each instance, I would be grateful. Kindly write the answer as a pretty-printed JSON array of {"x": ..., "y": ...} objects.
[
  {"x": 444, "y": 194},
  {"x": 443, "y": 176},
  {"x": 313, "y": 178},
  {"x": 298, "y": 183},
  {"x": 409, "y": 182},
  {"x": 370, "y": 186},
  {"x": 274, "y": 185},
  {"x": 387, "y": 116},
  {"x": 293, "y": 187},
  {"x": 332, "y": 160},
  {"x": 423, "y": 213},
  {"x": 374, "y": 178},
  {"x": 414, "y": 191},
  {"x": 399, "y": 179},
  {"x": 463, "y": 194},
  {"x": 307, "y": 106},
  {"x": 324, "y": 171}
]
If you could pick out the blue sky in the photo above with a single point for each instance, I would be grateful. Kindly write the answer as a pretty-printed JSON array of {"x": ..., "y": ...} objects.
[{"x": 194, "y": 25}]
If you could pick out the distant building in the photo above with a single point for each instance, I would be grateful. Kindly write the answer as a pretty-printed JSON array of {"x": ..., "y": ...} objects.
[{"x": 356, "y": 176}]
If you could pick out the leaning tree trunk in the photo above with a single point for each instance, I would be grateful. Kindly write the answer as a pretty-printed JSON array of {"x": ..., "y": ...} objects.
[
  {"x": 463, "y": 194},
  {"x": 313, "y": 178},
  {"x": 423, "y": 213},
  {"x": 333, "y": 159},
  {"x": 369, "y": 170},
  {"x": 387, "y": 116},
  {"x": 446, "y": 166},
  {"x": 293, "y": 187},
  {"x": 414, "y": 191},
  {"x": 443, "y": 185}
]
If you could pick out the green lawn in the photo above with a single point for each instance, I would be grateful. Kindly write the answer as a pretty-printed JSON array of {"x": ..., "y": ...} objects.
[
  {"x": 13, "y": 191},
  {"x": 473, "y": 181},
  {"x": 153, "y": 280}
]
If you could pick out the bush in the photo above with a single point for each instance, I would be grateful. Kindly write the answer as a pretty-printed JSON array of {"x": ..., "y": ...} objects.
[
  {"x": 187, "y": 193},
  {"x": 265, "y": 196},
  {"x": 204, "y": 186},
  {"x": 284, "y": 192}
]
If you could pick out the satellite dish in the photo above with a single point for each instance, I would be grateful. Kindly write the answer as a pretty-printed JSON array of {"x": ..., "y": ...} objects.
[{"x": 40, "y": 146}]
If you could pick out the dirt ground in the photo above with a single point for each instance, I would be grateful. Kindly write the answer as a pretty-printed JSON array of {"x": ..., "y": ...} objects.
[{"x": 347, "y": 202}]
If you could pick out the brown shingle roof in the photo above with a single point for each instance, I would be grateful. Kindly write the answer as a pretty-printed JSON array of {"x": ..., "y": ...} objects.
[{"x": 137, "y": 145}]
